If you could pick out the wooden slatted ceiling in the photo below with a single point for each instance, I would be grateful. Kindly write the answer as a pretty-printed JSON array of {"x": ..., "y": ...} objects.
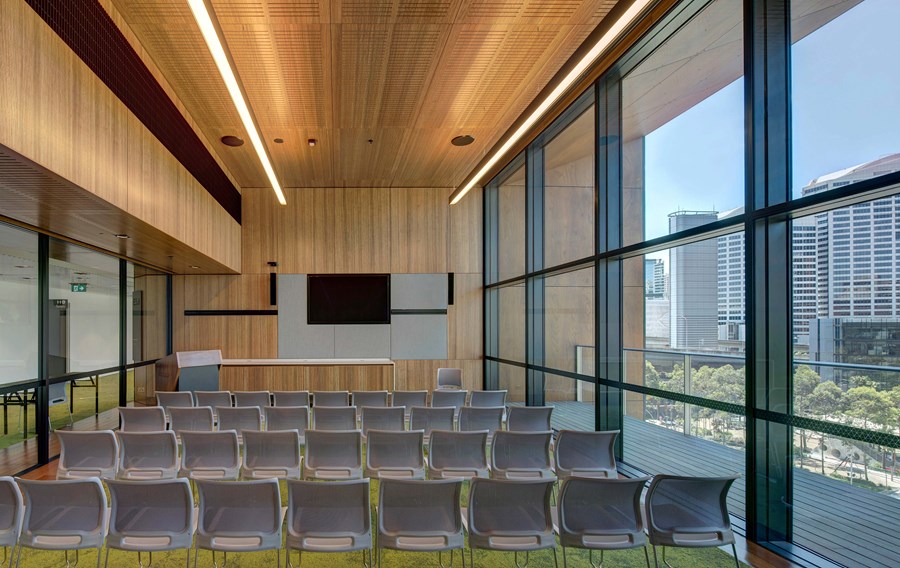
[{"x": 409, "y": 74}]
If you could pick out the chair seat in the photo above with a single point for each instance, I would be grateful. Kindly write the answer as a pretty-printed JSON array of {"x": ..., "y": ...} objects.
[{"x": 312, "y": 543}]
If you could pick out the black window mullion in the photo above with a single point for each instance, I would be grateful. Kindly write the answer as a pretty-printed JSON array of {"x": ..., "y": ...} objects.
[{"x": 42, "y": 391}]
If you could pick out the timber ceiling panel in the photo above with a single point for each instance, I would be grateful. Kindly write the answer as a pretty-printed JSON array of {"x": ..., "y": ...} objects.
[{"x": 407, "y": 74}]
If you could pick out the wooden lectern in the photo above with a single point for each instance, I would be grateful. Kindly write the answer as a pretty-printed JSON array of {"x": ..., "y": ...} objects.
[{"x": 189, "y": 371}]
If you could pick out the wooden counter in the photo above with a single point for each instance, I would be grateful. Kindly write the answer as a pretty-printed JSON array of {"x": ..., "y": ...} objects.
[{"x": 307, "y": 374}]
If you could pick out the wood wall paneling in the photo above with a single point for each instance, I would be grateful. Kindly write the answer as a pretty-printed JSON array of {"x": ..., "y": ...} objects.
[{"x": 418, "y": 230}]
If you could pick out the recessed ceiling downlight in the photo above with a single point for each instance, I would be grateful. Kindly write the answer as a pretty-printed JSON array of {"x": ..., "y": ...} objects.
[
  {"x": 232, "y": 141},
  {"x": 463, "y": 140}
]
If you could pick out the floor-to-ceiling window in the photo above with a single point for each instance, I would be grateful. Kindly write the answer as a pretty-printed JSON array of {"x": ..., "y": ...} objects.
[{"x": 705, "y": 256}]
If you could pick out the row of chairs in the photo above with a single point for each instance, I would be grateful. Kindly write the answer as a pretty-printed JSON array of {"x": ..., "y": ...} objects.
[
  {"x": 261, "y": 399},
  {"x": 335, "y": 454},
  {"x": 301, "y": 418},
  {"x": 420, "y": 516}
]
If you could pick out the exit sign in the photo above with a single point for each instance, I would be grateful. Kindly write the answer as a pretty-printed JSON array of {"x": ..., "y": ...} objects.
[{"x": 79, "y": 286}]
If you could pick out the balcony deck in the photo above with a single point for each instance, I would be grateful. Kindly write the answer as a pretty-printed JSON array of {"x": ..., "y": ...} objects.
[{"x": 853, "y": 526}]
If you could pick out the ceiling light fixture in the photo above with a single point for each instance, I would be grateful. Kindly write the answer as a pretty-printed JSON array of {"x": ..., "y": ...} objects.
[
  {"x": 583, "y": 65},
  {"x": 121, "y": 236},
  {"x": 463, "y": 140},
  {"x": 203, "y": 15}
]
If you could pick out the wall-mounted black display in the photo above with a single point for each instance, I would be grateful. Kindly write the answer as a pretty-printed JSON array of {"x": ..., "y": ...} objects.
[{"x": 348, "y": 299}]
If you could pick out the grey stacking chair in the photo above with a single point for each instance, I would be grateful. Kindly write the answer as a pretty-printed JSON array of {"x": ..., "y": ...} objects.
[
  {"x": 67, "y": 514},
  {"x": 168, "y": 399},
  {"x": 408, "y": 399},
  {"x": 331, "y": 398},
  {"x": 377, "y": 418},
  {"x": 142, "y": 419},
  {"x": 196, "y": 419},
  {"x": 449, "y": 378},
  {"x": 210, "y": 455},
  {"x": 150, "y": 516},
  {"x": 291, "y": 398},
  {"x": 259, "y": 399},
  {"x": 395, "y": 455},
  {"x": 12, "y": 511},
  {"x": 419, "y": 516},
  {"x": 585, "y": 454},
  {"x": 427, "y": 418},
  {"x": 368, "y": 398},
  {"x": 334, "y": 418},
  {"x": 239, "y": 517},
  {"x": 213, "y": 399},
  {"x": 329, "y": 517},
  {"x": 511, "y": 516},
  {"x": 521, "y": 455},
  {"x": 271, "y": 454},
  {"x": 601, "y": 514},
  {"x": 239, "y": 419},
  {"x": 688, "y": 512},
  {"x": 529, "y": 418},
  {"x": 454, "y": 398},
  {"x": 333, "y": 455},
  {"x": 487, "y": 398},
  {"x": 474, "y": 418},
  {"x": 87, "y": 454},
  {"x": 454, "y": 455},
  {"x": 148, "y": 455},
  {"x": 288, "y": 418}
]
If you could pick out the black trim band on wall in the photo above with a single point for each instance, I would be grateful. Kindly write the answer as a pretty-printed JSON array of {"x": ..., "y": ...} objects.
[
  {"x": 230, "y": 312},
  {"x": 90, "y": 32},
  {"x": 418, "y": 312}
]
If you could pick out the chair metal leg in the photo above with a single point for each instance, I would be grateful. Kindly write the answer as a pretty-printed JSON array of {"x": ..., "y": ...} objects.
[
  {"x": 187, "y": 561},
  {"x": 655, "y": 559},
  {"x": 277, "y": 559},
  {"x": 555, "y": 561},
  {"x": 565, "y": 562},
  {"x": 196, "y": 553},
  {"x": 19, "y": 555},
  {"x": 100, "y": 554},
  {"x": 647, "y": 556},
  {"x": 471, "y": 557},
  {"x": 591, "y": 558},
  {"x": 106, "y": 562},
  {"x": 734, "y": 551},
  {"x": 665, "y": 562}
]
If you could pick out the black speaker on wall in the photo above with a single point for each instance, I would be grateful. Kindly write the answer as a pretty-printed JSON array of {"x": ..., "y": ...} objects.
[
  {"x": 273, "y": 289},
  {"x": 450, "y": 289}
]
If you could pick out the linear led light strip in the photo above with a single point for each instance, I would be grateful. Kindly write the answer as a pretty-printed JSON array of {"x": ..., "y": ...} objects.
[
  {"x": 589, "y": 58},
  {"x": 214, "y": 43}
]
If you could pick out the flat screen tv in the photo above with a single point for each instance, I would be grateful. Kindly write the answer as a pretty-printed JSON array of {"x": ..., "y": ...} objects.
[{"x": 348, "y": 299}]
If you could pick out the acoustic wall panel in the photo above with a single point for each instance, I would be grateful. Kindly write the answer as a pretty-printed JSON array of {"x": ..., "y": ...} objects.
[
  {"x": 418, "y": 291},
  {"x": 419, "y": 336},
  {"x": 362, "y": 341},
  {"x": 296, "y": 338}
]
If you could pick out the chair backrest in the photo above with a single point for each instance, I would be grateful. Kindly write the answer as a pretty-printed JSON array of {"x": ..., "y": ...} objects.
[
  {"x": 162, "y": 507},
  {"x": 87, "y": 454},
  {"x": 529, "y": 418},
  {"x": 408, "y": 399},
  {"x": 429, "y": 418},
  {"x": 210, "y": 450},
  {"x": 602, "y": 507},
  {"x": 510, "y": 507},
  {"x": 245, "y": 509},
  {"x": 369, "y": 398},
  {"x": 142, "y": 419},
  {"x": 168, "y": 399},
  {"x": 58, "y": 394},
  {"x": 213, "y": 399},
  {"x": 449, "y": 378},
  {"x": 460, "y": 451},
  {"x": 196, "y": 419},
  {"x": 454, "y": 398},
  {"x": 488, "y": 418},
  {"x": 333, "y": 449},
  {"x": 410, "y": 508},
  {"x": 334, "y": 418},
  {"x": 74, "y": 507},
  {"x": 148, "y": 454},
  {"x": 259, "y": 399},
  {"x": 276, "y": 452},
  {"x": 239, "y": 418},
  {"x": 386, "y": 449},
  {"x": 12, "y": 511},
  {"x": 521, "y": 450},
  {"x": 287, "y": 418},
  {"x": 481, "y": 398},
  {"x": 585, "y": 453},
  {"x": 325, "y": 509},
  {"x": 331, "y": 398},
  {"x": 377, "y": 418},
  {"x": 291, "y": 398},
  {"x": 688, "y": 505}
]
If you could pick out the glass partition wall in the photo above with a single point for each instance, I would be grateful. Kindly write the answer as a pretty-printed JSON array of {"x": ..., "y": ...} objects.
[
  {"x": 79, "y": 331},
  {"x": 703, "y": 252}
]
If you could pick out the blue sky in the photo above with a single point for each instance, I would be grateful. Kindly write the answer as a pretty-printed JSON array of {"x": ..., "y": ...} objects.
[{"x": 845, "y": 111}]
